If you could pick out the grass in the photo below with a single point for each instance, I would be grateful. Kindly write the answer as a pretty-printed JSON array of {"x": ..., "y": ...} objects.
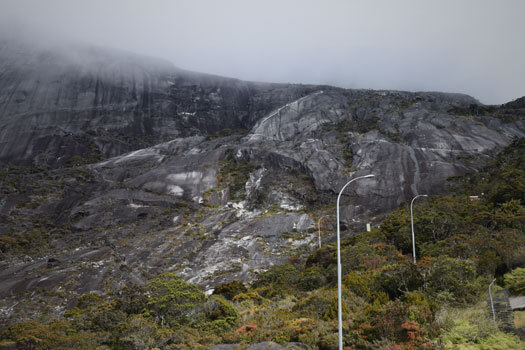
[
  {"x": 519, "y": 319},
  {"x": 473, "y": 328}
]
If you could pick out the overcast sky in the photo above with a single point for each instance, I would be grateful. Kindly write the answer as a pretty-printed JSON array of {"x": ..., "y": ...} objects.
[{"x": 471, "y": 46}]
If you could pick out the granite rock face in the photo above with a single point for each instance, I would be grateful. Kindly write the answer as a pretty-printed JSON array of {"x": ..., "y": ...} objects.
[
  {"x": 412, "y": 142},
  {"x": 60, "y": 102},
  {"x": 145, "y": 168}
]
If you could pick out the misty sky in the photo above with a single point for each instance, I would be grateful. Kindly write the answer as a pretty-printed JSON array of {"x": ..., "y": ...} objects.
[{"x": 471, "y": 46}]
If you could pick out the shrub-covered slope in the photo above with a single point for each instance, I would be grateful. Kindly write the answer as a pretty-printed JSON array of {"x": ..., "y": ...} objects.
[{"x": 464, "y": 238}]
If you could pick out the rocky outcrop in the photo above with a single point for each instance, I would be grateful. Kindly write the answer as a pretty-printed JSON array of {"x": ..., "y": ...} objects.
[{"x": 411, "y": 142}]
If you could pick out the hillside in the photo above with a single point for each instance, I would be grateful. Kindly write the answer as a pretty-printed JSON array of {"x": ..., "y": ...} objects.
[
  {"x": 116, "y": 169},
  {"x": 389, "y": 302}
]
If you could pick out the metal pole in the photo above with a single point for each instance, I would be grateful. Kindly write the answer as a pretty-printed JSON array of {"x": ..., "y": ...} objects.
[
  {"x": 412, "y": 224},
  {"x": 339, "y": 304},
  {"x": 492, "y": 302},
  {"x": 319, "y": 227}
]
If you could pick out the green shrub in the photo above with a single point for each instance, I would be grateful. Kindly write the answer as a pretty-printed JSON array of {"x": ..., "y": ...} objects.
[
  {"x": 473, "y": 328},
  {"x": 515, "y": 281},
  {"x": 230, "y": 289},
  {"x": 250, "y": 295},
  {"x": 332, "y": 312},
  {"x": 322, "y": 257},
  {"x": 173, "y": 300},
  {"x": 353, "y": 257},
  {"x": 396, "y": 229},
  {"x": 141, "y": 333},
  {"x": 107, "y": 318},
  {"x": 312, "y": 278},
  {"x": 376, "y": 235},
  {"x": 94, "y": 314},
  {"x": 452, "y": 276},
  {"x": 278, "y": 274},
  {"x": 422, "y": 308},
  {"x": 361, "y": 283},
  {"x": 219, "y": 316},
  {"x": 487, "y": 263},
  {"x": 316, "y": 304},
  {"x": 408, "y": 324},
  {"x": 400, "y": 278},
  {"x": 131, "y": 299},
  {"x": 55, "y": 335}
]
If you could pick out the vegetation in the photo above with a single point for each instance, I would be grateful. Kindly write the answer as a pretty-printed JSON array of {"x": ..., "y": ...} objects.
[
  {"x": 90, "y": 152},
  {"x": 231, "y": 289},
  {"x": 515, "y": 281},
  {"x": 508, "y": 113},
  {"x": 26, "y": 229},
  {"x": 228, "y": 132},
  {"x": 234, "y": 173},
  {"x": 388, "y": 302}
]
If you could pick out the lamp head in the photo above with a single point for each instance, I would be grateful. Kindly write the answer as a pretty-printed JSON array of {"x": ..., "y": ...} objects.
[{"x": 370, "y": 175}]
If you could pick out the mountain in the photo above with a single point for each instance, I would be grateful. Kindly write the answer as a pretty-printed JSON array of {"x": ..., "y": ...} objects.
[
  {"x": 117, "y": 167},
  {"x": 62, "y": 101}
]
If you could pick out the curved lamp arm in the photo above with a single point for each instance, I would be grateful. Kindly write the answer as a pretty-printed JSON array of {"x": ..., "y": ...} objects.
[{"x": 412, "y": 225}]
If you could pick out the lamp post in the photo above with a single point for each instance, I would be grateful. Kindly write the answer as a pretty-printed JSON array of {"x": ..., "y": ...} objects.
[
  {"x": 412, "y": 224},
  {"x": 339, "y": 304},
  {"x": 492, "y": 301},
  {"x": 319, "y": 227}
]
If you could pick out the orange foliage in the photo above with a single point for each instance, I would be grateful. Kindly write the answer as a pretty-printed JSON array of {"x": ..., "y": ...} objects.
[{"x": 246, "y": 328}]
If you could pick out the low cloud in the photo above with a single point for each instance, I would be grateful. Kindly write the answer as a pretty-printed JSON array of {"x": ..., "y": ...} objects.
[{"x": 470, "y": 46}]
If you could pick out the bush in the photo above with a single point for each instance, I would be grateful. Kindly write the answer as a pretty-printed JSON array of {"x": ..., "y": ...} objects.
[
  {"x": 251, "y": 296},
  {"x": 105, "y": 317},
  {"x": 322, "y": 257},
  {"x": 312, "y": 278},
  {"x": 220, "y": 316},
  {"x": 316, "y": 304},
  {"x": 473, "y": 328},
  {"x": 422, "y": 308},
  {"x": 487, "y": 263},
  {"x": 452, "y": 276},
  {"x": 361, "y": 283},
  {"x": 515, "y": 281},
  {"x": 396, "y": 229},
  {"x": 407, "y": 323},
  {"x": 88, "y": 300},
  {"x": 141, "y": 333},
  {"x": 353, "y": 257},
  {"x": 131, "y": 299},
  {"x": 230, "y": 289},
  {"x": 277, "y": 274},
  {"x": 322, "y": 304},
  {"x": 173, "y": 300},
  {"x": 56, "y": 335},
  {"x": 400, "y": 278}
]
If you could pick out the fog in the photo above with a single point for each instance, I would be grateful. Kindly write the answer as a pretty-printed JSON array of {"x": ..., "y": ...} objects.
[{"x": 470, "y": 46}]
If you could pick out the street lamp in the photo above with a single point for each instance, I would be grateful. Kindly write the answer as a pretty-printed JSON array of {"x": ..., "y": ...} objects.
[
  {"x": 492, "y": 301},
  {"x": 319, "y": 227},
  {"x": 412, "y": 224},
  {"x": 339, "y": 305}
]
